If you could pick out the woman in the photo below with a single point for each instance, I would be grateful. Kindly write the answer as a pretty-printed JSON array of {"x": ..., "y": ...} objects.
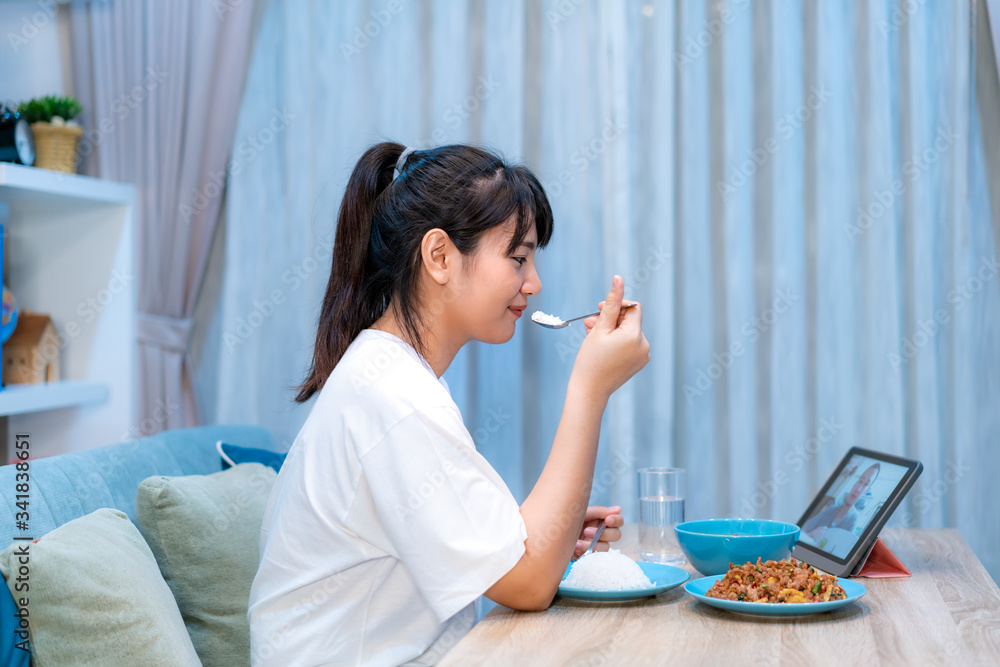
[{"x": 385, "y": 525}]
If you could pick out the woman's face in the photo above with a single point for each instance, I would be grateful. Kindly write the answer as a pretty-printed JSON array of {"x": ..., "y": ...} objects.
[{"x": 495, "y": 285}]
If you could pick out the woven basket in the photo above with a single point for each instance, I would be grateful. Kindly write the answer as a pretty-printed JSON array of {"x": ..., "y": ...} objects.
[{"x": 55, "y": 146}]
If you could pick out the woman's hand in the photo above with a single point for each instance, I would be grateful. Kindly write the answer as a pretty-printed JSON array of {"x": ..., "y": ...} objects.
[
  {"x": 615, "y": 348},
  {"x": 612, "y": 518},
  {"x": 591, "y": 321}
]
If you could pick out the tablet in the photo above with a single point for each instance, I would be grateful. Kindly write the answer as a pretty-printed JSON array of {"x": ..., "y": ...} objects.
[{"x": 841, "y": 524}]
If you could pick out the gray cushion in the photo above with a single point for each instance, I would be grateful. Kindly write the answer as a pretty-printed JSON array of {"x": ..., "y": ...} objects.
[
  {"x": 96, "y": 597},
  {"x": 204, "y": 531}
]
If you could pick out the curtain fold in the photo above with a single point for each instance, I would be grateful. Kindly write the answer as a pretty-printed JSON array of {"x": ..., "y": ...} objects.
[
  {"x": 161, "y": 84},
  {"x": 987, "y": 93},
  {"x": 796, "y": 192},
  {"x": 992, "y": 8}
]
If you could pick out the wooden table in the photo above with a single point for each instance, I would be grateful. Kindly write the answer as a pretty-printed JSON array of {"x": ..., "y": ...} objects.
[{"x": 947, "y": 613}]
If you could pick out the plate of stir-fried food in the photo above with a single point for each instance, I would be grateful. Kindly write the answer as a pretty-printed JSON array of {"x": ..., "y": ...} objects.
[{"x": 775, "y": 588}]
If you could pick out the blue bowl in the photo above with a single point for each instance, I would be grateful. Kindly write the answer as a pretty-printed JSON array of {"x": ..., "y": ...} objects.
[{"x": 712, "y": 544}]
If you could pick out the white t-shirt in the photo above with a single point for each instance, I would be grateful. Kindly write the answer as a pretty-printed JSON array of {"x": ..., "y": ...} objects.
[{"x": 384, "y": 525}]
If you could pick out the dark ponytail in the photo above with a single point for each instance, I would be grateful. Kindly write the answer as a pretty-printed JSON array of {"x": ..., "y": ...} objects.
[{"x": 460, "y": 189}]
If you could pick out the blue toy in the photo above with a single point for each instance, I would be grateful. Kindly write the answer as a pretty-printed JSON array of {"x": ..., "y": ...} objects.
[
  {"x": 8, "y": 313},
  {"x": 8, "y": 318}
]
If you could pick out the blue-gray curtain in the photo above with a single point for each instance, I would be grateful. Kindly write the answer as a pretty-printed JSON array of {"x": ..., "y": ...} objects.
[{"x": 796, "y": 191}]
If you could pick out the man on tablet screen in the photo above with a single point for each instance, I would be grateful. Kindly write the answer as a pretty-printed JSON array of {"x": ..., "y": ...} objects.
[{"x": 832, "y": 528}]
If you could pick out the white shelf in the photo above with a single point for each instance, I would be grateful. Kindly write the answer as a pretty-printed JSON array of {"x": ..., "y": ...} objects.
[
  {"x": 34, "y": 185},
  {"x": 24, "y": 398},
  {"x": 70, "y": 253}
]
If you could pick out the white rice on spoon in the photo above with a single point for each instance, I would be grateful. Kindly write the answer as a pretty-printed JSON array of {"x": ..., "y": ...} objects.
[
  {"x": 606, "y": 571},
  {"x": 543, "y": 318}
]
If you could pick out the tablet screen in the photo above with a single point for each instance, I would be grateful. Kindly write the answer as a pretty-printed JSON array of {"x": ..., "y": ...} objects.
[{"x": 861, "y": 488}]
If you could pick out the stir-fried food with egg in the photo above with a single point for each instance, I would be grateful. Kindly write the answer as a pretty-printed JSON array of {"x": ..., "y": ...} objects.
[{"x": 776, "y": 581}]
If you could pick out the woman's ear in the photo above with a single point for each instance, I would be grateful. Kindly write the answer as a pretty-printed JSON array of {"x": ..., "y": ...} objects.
[{"x": 438, "y": 255}]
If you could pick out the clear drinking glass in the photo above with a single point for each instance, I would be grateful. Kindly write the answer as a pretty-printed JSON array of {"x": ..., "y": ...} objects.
[{"x": 661, "y": 507}]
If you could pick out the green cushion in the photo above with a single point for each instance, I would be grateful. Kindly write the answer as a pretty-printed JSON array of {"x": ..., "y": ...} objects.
[
  {"x": 96, "y": 597},
  {"x": 204, "y": 531}
]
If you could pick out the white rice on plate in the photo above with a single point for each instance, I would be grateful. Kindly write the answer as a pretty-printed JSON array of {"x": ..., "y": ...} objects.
[{"x": 606, "y": 571}]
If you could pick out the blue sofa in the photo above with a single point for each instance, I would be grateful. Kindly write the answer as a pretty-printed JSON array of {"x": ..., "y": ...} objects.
[{"x": 69, "y": 486}]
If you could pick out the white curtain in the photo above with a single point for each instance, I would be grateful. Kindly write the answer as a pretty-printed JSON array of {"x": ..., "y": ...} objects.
[
  {"x": 160, "y": 84},
  {"x": 796, "y": 191}
]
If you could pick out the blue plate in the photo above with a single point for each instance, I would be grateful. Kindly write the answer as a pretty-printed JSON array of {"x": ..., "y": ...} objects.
[
  {"x": 699, "y": 587},
  {"x": 664, "y": 577}
]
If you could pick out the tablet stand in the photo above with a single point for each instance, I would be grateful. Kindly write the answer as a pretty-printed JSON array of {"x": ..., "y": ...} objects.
[{"x": 880, "y": 562}]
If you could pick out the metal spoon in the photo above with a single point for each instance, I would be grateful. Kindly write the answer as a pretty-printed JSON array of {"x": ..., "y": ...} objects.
[
  {"x": 597, "y": 535},
  {"x": 593, "y": 543},
  {"x": 565, "y": 323}
]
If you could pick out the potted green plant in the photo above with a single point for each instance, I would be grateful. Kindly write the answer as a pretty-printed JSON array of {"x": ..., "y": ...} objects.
[{"x": 57, "y": 134}]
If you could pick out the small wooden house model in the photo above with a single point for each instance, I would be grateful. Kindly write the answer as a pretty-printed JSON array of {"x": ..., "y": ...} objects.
[{"x": 31, "y": 354}]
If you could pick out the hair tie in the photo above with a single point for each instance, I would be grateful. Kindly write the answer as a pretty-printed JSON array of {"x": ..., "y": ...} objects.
[{"x": 400, "y": 162}]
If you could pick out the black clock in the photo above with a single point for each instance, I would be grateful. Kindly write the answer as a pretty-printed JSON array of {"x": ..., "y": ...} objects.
[{"x": 17, "y": 141}]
